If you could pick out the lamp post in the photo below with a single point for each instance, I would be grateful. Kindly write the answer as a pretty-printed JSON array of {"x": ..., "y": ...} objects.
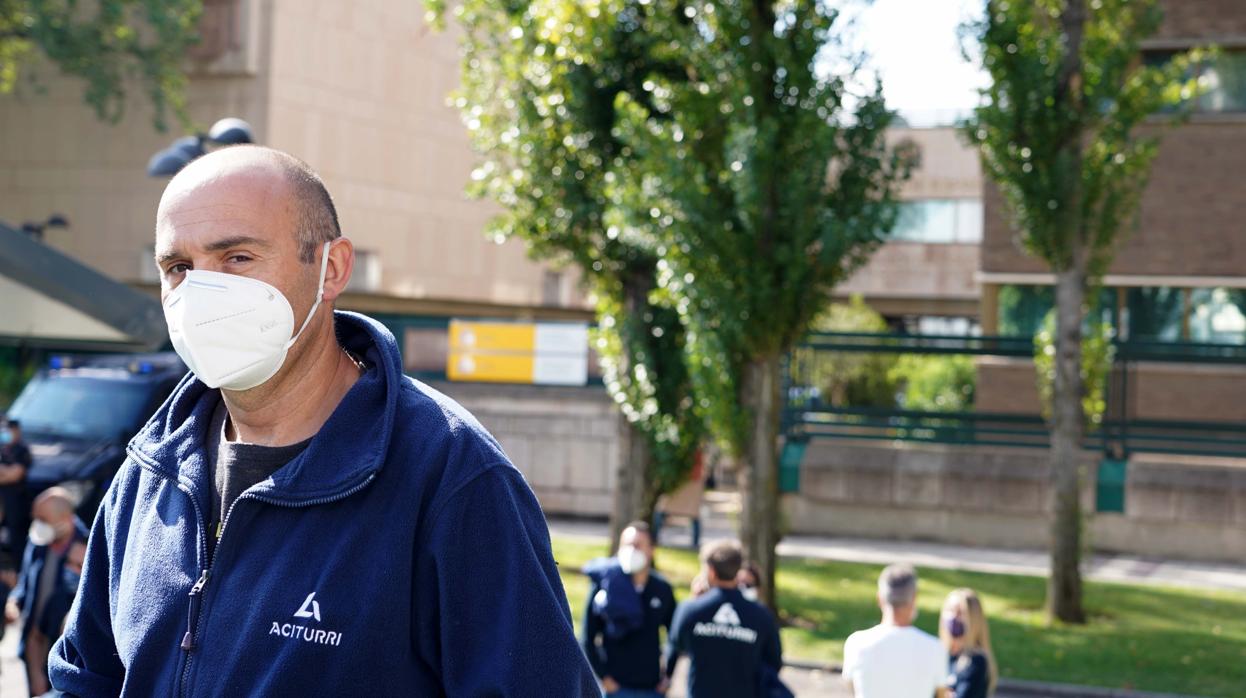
[
  {"x": 35, "y": 228},
  {"x": 170, "y": 161}
]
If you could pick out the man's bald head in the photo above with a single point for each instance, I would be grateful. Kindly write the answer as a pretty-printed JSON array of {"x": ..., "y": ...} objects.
[
  {"x": 54, "y": 504},
  {"x": 314, "y": 215}
]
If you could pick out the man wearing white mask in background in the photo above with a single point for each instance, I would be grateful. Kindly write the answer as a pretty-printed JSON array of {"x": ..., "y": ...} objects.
[
  {"x": 42, "y": 594},
  {"x": 628, "y": 604},
  {"x": 299, "y": 517}
]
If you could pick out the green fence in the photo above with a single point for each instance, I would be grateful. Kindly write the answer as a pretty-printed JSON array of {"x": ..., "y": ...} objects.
[{"x": 809, "y": 415}]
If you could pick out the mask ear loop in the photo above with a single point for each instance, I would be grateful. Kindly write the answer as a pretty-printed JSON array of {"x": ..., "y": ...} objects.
[{"x": 324, "y": 265}]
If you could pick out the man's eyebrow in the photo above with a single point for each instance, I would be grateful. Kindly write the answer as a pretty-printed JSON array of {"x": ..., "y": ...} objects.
[{"x": 216, "y": 246}]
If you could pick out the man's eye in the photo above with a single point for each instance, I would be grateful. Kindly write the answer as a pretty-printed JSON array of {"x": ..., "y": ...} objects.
[
  {"x": 239, "y": 258},
  {"x": 178, "y": 269}
]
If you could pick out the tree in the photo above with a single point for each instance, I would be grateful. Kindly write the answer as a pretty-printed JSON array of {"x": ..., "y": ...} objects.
[
  {"x": 540, "y": 87},
  {"x": 107, "y": 43},
  {"x": 1058, "y": 133},
  {"x": 775, "y": 190}
]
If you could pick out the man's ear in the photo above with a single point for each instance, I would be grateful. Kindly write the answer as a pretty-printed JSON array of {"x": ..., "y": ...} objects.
[{"x": 341, "y": 264}]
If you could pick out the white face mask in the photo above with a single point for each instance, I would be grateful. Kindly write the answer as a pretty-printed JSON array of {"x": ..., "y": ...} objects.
[
  {"x": 632, "y": 560},
  {"x": 749, "y": 593},
  {"x": 42, "y": 532},
  {"x": 232, "y": 331}
]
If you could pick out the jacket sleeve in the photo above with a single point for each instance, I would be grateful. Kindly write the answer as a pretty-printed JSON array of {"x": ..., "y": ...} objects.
[
  {"x": 592, "y": 628},
  {"x": 18, "y": 595},
  {"x": 492, "y": 616},
  {"x": 84, "y": 661},
  {"x": 674, "y": 640}
]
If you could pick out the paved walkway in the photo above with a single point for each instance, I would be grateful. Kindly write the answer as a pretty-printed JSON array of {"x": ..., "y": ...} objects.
[{"x": 720, "y": 513}]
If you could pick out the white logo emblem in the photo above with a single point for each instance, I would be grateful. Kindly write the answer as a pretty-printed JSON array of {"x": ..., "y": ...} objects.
[
  {"x": 311, "y": 608},
  {"x": 726, "y": 615},
  {"x": 655, "y": 602}
]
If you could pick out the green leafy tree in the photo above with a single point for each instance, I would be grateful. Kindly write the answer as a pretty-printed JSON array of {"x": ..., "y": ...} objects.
[
  {"x": 936, "y": 383},
  {"x": 1058, "y": 133},
  {"x": 108, "y": 44},
  {"x": 775, "y": 191},
  {"x": 541, "y": 87}
]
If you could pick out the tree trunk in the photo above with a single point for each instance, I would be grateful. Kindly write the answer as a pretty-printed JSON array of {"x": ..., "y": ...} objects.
[
  {"x": 630, "y": 490},
  {"x": 759, "y": 485},
  {"x": 1064, "y": 584},
  {"x": 629, "y": 484}
]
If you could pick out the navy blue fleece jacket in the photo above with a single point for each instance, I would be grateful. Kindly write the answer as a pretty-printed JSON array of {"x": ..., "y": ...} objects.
[{"x": 401, "y": 554}]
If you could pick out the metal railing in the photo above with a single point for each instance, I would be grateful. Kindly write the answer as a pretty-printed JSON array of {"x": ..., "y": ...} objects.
[{"x": 806, "y": 416}]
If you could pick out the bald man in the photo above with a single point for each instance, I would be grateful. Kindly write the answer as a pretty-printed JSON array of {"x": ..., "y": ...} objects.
[
  {"x": 300, "y": 518},
  {"x": 47, "y": 584}
]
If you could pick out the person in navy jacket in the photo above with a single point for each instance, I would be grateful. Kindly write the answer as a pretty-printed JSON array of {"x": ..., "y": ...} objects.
[
  {"x": 299, "y": 517},
  {"x": 47, "y": 583},
  {"x": 628, "y": 605},
  {"x": 732, "y": 642}
]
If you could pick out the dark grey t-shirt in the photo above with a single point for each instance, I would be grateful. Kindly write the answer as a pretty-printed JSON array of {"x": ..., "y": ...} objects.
[{"x": 237, "y": 466}]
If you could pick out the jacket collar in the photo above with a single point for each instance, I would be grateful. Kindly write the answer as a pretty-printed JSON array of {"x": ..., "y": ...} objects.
[{"x": 348, "y": 450}]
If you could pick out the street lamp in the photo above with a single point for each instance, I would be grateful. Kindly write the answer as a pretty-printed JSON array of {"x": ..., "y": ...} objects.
[
  {"x": 35, "y": 229},
  {"x": 227, "y": 131}
]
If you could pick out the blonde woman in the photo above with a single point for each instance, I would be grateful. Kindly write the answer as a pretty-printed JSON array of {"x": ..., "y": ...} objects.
[{"x": 963, "y": 630}]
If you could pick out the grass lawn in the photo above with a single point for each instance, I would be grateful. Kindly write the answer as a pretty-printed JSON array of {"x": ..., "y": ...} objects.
[{"x": 1141, "y": 637}]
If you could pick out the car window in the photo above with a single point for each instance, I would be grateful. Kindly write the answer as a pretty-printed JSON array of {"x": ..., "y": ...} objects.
[{"x": 80, "y": 408}]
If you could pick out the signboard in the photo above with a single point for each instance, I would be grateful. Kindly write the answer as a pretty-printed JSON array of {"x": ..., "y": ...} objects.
[{"x": 518, "y": 352}]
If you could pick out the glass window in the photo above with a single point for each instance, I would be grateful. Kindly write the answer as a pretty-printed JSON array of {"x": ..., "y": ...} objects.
[
  {"x": 1224, "y": 80},
  {"x": 81, "y": 408},
  {"x": 940, "y": 221},
  {"x": 1155, "y": 313},
  {"x": 1022, "y": 309},
  {"x": 1218, "y": 315}
]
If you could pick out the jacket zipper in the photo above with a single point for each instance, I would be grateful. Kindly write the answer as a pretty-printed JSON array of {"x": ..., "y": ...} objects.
[{"x": 191, "y": 640}]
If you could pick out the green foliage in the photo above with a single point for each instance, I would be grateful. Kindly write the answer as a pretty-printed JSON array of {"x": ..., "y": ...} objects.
[
  {"x": 1097, "y": 357},
  {"x": 1062, "y": 145},
  {"x": 650, "y": 383},
  {"x": 936, "y": 383},
  {"x": 768, "y": 189},
  {"x": 541, "y": 85},
  {"x": 107, "y": 43},
  {"x": 847, "y": 379},
  {"x": 16, "y": 369}
]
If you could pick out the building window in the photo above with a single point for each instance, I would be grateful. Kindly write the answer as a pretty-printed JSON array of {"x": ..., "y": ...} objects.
[
  {"x": 1218, "y": 316},
  {"x": 1022, "y": 309},
  {"x": 1223, "y": 78},
  {"x": 1156, "y": 314},
  {"x": 366, "y": 276},
  {"x": 940, "y": 221},
  {"x": 1150, "y": 314}
]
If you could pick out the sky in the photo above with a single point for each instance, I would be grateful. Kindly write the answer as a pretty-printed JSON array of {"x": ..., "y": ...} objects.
[{"x": 914, "y": 46}]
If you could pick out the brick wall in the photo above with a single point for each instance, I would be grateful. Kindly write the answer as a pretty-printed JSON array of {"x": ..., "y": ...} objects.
[
  {"x": 1206, "y": 19},
  {"x": 1192, "y": 219},
  {"x": 1184, "y": 508}
]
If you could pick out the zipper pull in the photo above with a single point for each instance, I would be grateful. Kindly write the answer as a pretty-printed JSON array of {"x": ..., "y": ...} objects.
[{"x": 188, "y": 640}]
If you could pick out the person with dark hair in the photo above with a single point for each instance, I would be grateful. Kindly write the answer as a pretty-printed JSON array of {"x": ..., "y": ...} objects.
[
  {"x": 749, "y": 580},
  {"x": 732, "y": 643},
  {"x": 299, "y": 517},
  {"x": 15, "y": 463},
  {"x": 628, "y": 605}
]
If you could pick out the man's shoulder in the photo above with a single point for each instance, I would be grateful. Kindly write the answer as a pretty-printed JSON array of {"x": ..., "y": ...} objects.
[
  {"x": 441, "y": 435},
  {"x": 660, "y": 584}
]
